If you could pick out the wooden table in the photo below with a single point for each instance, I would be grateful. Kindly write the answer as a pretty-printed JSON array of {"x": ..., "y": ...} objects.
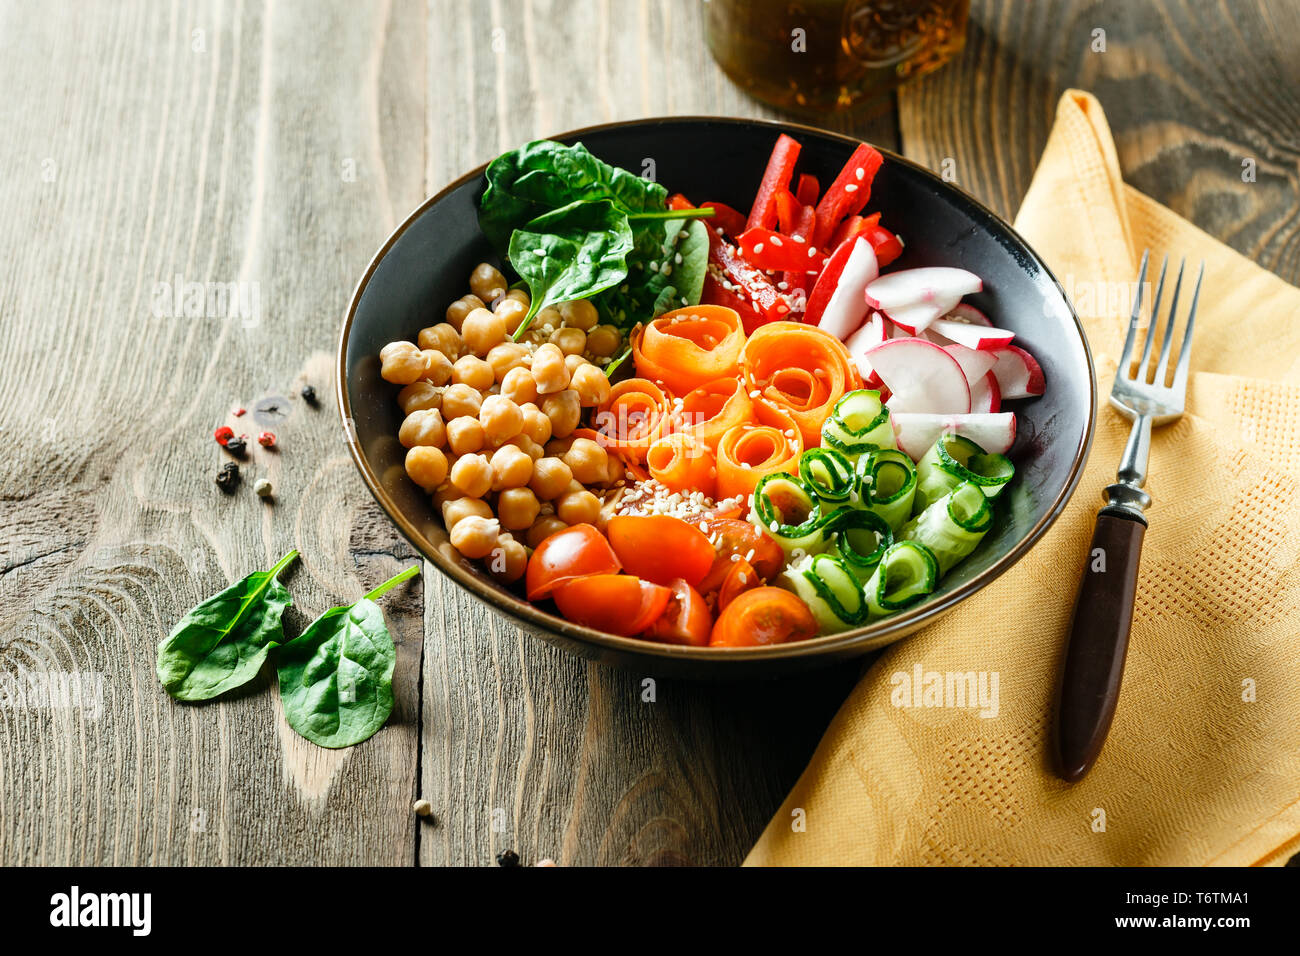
[{"x": 275, "y": 145}]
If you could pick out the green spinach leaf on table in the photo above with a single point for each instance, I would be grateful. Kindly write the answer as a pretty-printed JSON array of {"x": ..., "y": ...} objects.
[
  {"x": 336, "y": 677},
  {"x": 572, "y": 252},
  {"x": 222, "y": 642}
]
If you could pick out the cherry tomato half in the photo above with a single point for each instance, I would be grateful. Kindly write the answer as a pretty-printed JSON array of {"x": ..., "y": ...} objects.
[
  {"x": 572, "y": 553},
  {"x": 734, "y": 536},
  {"x": 618, "y": 603},
  {"x": 763, "y": 616},
  {"x": 742, "y": 577},
  {"x": 686, "y": 619},
  {"x": 660, "y": 548}
]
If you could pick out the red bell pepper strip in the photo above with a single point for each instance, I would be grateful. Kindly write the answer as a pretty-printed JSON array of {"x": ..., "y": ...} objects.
[
  {"x": 808, "y": 190},
  {"x": 787, "y": 211},
  {"x": 853, "y": 226},
  {"x": 798, "y": 280},
  {"x": 847, "y": 195},
  {"x": 730, "y": 221},
  {"x": 765, "y": 249},
  {"x": 715, "y": 293},
  {"x": 884, "y": 244},
  {"x": 780, "y": 167}
]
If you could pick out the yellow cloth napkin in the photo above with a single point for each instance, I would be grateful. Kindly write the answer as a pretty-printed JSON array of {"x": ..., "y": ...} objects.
[{"x": 1202, "y": 765}]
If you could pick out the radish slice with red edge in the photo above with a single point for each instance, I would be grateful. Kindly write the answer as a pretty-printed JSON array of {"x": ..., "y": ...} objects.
[
  {"x": 921, "y": 377},
  {"x": 974, "y": 365},
  {"x": 917, "y": 433},
  {"x": 985, "y": 395},
  {"x": 836, "y": 303},
  {"x": 978, "y": 337},
  {"x": 929, "y": 284},
  {"x": 1018, "y": 374},
  {"x": 965, "y": 312},
  {"x": 867, "y": 337}
]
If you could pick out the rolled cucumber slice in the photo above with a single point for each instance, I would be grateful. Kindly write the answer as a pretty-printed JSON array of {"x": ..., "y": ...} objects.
[
  {"x": 906, "y": 573},
  {"x": 887, "y": 484},
  {"x": 861, "y": 539},
  {"x": 787, "y": 508},
  {"x": 858, "y": 425},
  {"x": 829, "y": 473},
  {"x": 953, "y": 459},
  {"x": 953, "y": 525},
  {"x": 830, "y": 589}
]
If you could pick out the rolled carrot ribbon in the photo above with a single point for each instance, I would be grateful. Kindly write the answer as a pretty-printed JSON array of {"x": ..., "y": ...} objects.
[
  {"x": 801, "y": 369},
  {"x": 747, "y": 452},
  {"x": 636, "y": 414},
  {"x": 688, "y": 347},
  {"x": 683, "y": 463},
  {"x": 710, "y": 409}
]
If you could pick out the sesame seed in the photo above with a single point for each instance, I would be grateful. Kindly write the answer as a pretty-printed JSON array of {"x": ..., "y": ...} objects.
[
  {"x": 860, "y": 173},
  {"x": 851, "y": 188},
  {"x": 798, "y": 238},
  {"x": 775, "y": 241}
]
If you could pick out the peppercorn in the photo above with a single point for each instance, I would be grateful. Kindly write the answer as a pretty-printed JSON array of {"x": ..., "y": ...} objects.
[
  {"x": 263, "y": 488},
  {"x": 223, "y": 434},
  {"x": 228, "y": 477},
  {"x": 508, "y": 858},
  {"x": 309, "y": 395},
  {"x": 237, "y": 445},
  {"x": 266, "y": 439}
]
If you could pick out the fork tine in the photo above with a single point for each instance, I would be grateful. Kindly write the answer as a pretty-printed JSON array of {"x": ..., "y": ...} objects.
[
  {"x": 1141, "y": 374},
  {"x": 1163, "y": 365},
  {"x": 1185, "y": 353},
  {"x": 1126, "y": 357}
]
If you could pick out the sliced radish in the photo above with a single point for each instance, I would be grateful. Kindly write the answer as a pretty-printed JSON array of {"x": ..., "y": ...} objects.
[
  {"x": 916, "y": 297},
  {"x": 917, "y": 433},
  {"x": 916, "y": 319},
  {"x": 921, "y": 377},
  {"x": 986, "y": 395},
  {"x": 837, "y": 302},
  {"x": 978, "y": 337},
  {"x": 974, "y": 365},
  {"x": 965, "y": 312},
  {"x": 867, "y": 337},
  {"x": 1018, "y": 375}
]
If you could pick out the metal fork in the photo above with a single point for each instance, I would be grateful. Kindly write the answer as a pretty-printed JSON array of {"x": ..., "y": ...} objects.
[{"x": 1094, "y": 662}]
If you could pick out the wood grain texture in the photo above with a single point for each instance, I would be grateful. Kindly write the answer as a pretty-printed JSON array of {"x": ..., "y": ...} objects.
[{"x": 1191, "y": 90}]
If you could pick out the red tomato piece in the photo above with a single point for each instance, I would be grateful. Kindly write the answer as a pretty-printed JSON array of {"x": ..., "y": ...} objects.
[
  {"x": 763, "y": 616},
  {"x": 741, "y": 578},
  {"x": 686, "y": 619},
  {"x": 575, "y": 552},
  {"x": 618, "y": 603},
  {"x": 660, "y": 548},
  {"x": 742, "y": 540}
]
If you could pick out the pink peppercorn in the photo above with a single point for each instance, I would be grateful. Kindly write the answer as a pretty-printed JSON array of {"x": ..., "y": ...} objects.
[
  {"x": 266, "y": 439},
  {"x": 223, "y": 434}
]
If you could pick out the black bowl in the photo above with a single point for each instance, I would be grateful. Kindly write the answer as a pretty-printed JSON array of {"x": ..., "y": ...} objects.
[{"x": 425, "y": 265}]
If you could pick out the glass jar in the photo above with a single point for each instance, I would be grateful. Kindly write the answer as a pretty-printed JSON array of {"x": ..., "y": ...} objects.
[{"x": 818, "y": 56}]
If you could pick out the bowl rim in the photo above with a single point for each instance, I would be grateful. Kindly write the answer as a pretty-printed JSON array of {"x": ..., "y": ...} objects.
[{"x": 860, "y": 639}]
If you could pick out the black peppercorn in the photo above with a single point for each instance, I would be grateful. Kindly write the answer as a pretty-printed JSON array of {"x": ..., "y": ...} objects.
[
  {"x": 228, "y": 477},
  {"x": 508, "y": 858},
  {"x": 309, "y": 395},
  {"x": 237, "y": 445}
]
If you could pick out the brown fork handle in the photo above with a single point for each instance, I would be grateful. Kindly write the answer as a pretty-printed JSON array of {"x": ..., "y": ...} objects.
[{"x": 1094, "y": 662}]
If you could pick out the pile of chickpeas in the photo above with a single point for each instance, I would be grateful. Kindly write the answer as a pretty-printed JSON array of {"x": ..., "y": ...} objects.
[{"x": 489, "y": 422}]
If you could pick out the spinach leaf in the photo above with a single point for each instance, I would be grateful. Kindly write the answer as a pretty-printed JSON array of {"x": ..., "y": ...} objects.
[
  {"x": 649, "y": 291},
  {"x": 545, "y": 175},
  {"x": 222, "y": 642},
  {"x": 571, "y": 253},
  {"x": 336, "y": 677}
]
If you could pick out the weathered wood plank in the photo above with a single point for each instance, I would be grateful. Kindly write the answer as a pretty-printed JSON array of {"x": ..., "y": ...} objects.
[
  {"x": 215, "y": 143},
  {"x": 526, "y": 748}
]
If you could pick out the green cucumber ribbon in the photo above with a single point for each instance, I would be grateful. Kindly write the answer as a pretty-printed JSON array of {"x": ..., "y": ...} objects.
[
  {"x": 787, "y": 508},
  {"x": 953, "y": 459},
  {"x": 858, "y": 424},
  {"x": 861, "y": 539},
  {"x": 887, "y": 482},
  {"x": 953, "y": 526},
  {"x": 829, "y": 473},
  {"x": 840, "y": 601}
]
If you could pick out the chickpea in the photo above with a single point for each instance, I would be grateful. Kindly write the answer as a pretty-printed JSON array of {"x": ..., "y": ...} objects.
[
  {"x": 419, "y": 396},
  {"x": 551, "y": 477},
  {"x": 519, "y": 295},
  {"x": 443, "y": 338},
  {"x": 536, "y": 425},
  {"x": 473, "y": 371},
  {"x": 473, "y": 475},
  {"x": 543, "y": 528},
  {"x": 563, "y": 409},
  {"x": 465, "y": 435},
  {"x": 423, "y": 428},
  {"x": 437, "y": 367},
  {"x": 549, "y": 370},
  {"x": 588, "y": 461},
  {"x": 454, "y": 511},
  {"x": 517, "y": 508},
  {"x": 401, "y": 363},
  {"x": 518, "y": 386},
  {"x": 511, "y": 468},
  {"x": 556, "y": 447},
  {"x": 501, "y": 419},
  {"x": 505, "y": 358},
  {"x": 475, "y": 537},
  {"x": 447, "y": 492},
  {"x": 487, "y": 282},
  {"x": 573, "y": 363},
  {"x": 546, "y": 320},
  {"x": 615, "y": 469},
  {"x": 579, "y": 314},
  {"x": 570, "y": 341},
  {"x": 482, "y": 330},
  {"x": 591, "y": 384},
  {"x": 427, "y": 466},
  {"x": 578, "y": 507},
  {"x": 460, "y": 399},
  {"x": 462, "y": 307},
  {"x": 508, "y": 561},
  {"x": 604, "y": 340},
  {"x": 512, "y": 310},
  {"x": 527, "y": 446}
]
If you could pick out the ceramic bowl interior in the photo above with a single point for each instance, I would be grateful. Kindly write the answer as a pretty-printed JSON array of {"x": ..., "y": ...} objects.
[{"x": 426, "y": 263}]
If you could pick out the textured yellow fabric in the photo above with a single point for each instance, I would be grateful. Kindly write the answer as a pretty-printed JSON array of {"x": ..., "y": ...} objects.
[{"x": 1192, "y": 773}]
